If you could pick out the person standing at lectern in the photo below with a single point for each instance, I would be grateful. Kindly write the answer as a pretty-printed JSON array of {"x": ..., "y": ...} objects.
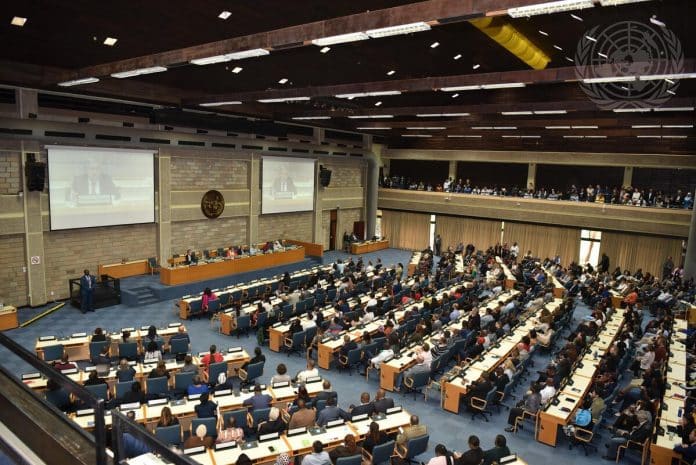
[{"x": 87, "y": 283}]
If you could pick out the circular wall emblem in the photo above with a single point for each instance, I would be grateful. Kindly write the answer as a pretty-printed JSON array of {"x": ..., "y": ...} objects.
[
  {"x": 612, "y": 63},
  {"x": 213, "y": 204}
]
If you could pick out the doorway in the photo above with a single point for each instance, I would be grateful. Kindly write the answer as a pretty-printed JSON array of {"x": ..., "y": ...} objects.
[{"x": 332, "y": 229}]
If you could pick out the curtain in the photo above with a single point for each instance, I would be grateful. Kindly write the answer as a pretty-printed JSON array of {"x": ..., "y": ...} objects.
[
  {"x": 454, "y": 229},
  {"x": 633, "y": 251},
  {"x": 406, "y": 230},
  {"x": 545, "y": 241}
]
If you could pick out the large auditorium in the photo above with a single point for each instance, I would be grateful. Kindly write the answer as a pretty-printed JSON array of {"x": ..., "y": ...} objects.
[{"x": 377, "y": 232}]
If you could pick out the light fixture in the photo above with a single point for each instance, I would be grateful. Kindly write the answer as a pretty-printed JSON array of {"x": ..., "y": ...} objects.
[
  {"x": 591, "y": 39},
  {"x": 378, "y": 103},
  {"x": 573, "y": 137},
  {"x": 570, "y": 59},
  {"x": 460, "y": 88},
  {"x": 369, "y": 94},
  {"x": 457, "y": 56},
  {"x": 476, "y": 66},
  {"x": 390, "y": 72},
  {"x": 505, "y": 128},
  {"x": 436, "y": 115},
  {"x": 557, "y": 47},
  {"x": 139, "y": 72},
  {"x": 595, "y": 137},
  {"x": 219, "y": 104},
  {"x": 340, "y": 39},
  {"x": 550, "y": 112},
  {"x": 644, "y": 136},
  {"x": 576, "y": 17},
  {"x": 657, "y": 77},
  {"x": 77, "y": 82},
  {"x": 398, "y": 30},
  {"x": 619, "y": 2},
  {"x": 557, "y": 127},
  {"x": 631, "y": 110},
  {"x": 455, "y": 95},
  {"x": 372, "y": 128},
  {"x": 674, "y": 109},
  {"x": 464, "y": 136},
  {"x": 657, "y": 22},
  {"x": 237, "y": 69},
  {"x": 110, "y": 41},
  {"x": 302, "y": 118},
  {"x": 225, "y": 14},
  {"x": 609, "y": 79},
  {"x": 516, "y": 113},
  {"x": 585, "y": 127},
  {"x": 370, "y": 116},
  {"x": 325, "y": 50},
  {"x": 426, "y": 128},
  {"x": 18, "y": 21},
  {"x": 543, "y": 33},
  {"x": 677, "y": 126},
  {"x": 671, "y": 92},
  {"x": 674, "y": 137},
  {"x": 482, "y": 128},
  {"x": 504, "y": 85},
  {"x": 549, "y": 7},
  {"x": 435, "y": 45},
  {"x": 210, "y": 60},
  {"x": 282, "y": 80},
  {"x": 645, "y": 126},
  {"x": 251, "y": 53},
  {"x": 416, "y": 135},
  {"x": 603, "y": 55},
  {"x": 283, "y": 99}
]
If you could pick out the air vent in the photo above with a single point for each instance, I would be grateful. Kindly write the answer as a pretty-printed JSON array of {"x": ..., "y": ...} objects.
[
  {"x": 222, "y": 145},
  {"x": 191, "y": 142},
  {"x": 356, "y": 155},
  {"x": 300, "y": 151},
  {"x": 75, "y": 135},
  {"x": 110, "y": 137},
  {"x": 321, "y": 152},
  {"x": 252, "y": 147},
  {"x": 21, "y": 132},
  {"x": 277, "y": 149},
  {"x": 128, "y": 124},
  {"x": 150, "y": 140},
  {"x": 339, "y": 153}
]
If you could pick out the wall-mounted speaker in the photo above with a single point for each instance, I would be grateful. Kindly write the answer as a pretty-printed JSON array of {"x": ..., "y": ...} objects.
[
  {"x": 324, "y": 176},
  {"x": 35, "y": 173}
]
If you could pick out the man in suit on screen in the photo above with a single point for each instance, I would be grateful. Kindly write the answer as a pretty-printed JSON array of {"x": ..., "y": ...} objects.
[
  {"x": 94, "y": 182},
  {"x": 283, "y": 183}
]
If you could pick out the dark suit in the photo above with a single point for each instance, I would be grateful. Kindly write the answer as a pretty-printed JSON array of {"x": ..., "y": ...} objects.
[
  {"x": 87, "y": 283},
  {"x": 103, "y": 186},
  {"x": 368, "y": 408},
  {"x": 325, "y": 395},
  {"x": 470, "y": 457},
  {"x": 284, "y": 185},
  {"x": 382, "y": 405}
]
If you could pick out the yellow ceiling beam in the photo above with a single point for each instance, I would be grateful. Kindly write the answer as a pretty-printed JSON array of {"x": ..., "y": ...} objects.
[{"x": 513, "y": 41}]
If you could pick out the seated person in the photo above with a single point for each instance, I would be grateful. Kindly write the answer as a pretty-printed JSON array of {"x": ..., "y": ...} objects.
[
  {"x": 258, "y": 400},
  {"x": 275, "y": 423},
  {"x": 64, "y": 363},
  {"x": 166, "y": 418},
  {"x": 310, "y": 372},
  {"x": 413, "y": 430},
  {"x": 281, "y": 375},
  {"x": 331, "y": 412},
  {"x": 125, "y": 372},
  {"x": 474, "y": 456},
  {"x": 197, "y": 386},
  {"x": 365, "y": 406},
  {"x": 348, "y": 449},
  {"x": 201, "y": 438},
  {"x": 152, "y": 352},
  {"x": 499, "y": 451},
  {"x": 230, "y": 432},
  {"x": 374, "y": 437},
  {"x": 206, "y": 408},
  {"x": 442, "y": 456},
  {"x": 303, "y": 416}
]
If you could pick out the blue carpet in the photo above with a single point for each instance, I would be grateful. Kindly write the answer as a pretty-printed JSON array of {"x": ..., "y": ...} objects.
[{"x": 446, "y": 428}]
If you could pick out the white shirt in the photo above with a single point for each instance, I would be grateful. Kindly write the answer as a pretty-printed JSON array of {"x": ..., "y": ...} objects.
[
  {"x": 547, "y": 393},
  {"x": 304, "y": 374}
]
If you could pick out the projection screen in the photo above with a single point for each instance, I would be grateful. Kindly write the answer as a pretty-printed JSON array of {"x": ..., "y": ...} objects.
[{"x": 287, "y": 184}]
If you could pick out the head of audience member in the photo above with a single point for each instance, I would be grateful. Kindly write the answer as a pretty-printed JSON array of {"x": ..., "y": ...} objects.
[
  {"x": 98, "y": 331},
  {"x": 257, "y": 389},
  {"x": 414, "y": 420},
  {"x": 474, "y": 442},
  {"x": 257, "y": 351},
  {"x": 281, "y": 369},
  {"x": 317, "y": 447},
  {"x": 326, "y": 385},
  {"x": 440, "y": 450},
  {"x": 213, "y": 349},
  {"x": 364, "y": 398},
  {"x": 152, "y": 332},
  {"x": 500, "y": 441},
  {"x": 151, "y": 346}
]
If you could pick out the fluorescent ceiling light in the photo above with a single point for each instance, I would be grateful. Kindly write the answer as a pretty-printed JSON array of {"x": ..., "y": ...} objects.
[
  {"x": 369, "y": 94},
  {"x": 573, "y": 137},
  {"x": 225, "y": 14},
  {"x": 435, "y": 45},
  {"x": 674, "y": 137},
  {"x": 390, "y": 72},
  {"x": 603, "y": 55},
  {"x": 455, "y": 95},
  {"x": 674, "y": 109},
  {"x": 426, "y": 128},
  {"x": 368, "y": 128},
  {"x": 608, "y": 79},
  {"x": 591, "y": 39},
  {"x": 550, "y": 112},
  {"x": 505, "y": 128},
  {"x": 464, "y": 136},
  {"x": 398, "y": 30},
  {"x": 543, "y": 33},
  {"x": 370, "y": 116},
  {"x": 283, "y": 81},
  {"x": 570, "y": 59},
  {"x": 677, "y": 126},
  {"x": 558, "y": 47},
  {"x": 378, "y": 103},
  {"x": 595, "y": 137},
  {"x": 550, "y": 7},
  {"x": 219, "y": 104},
  {"x": 648, "y": 137},
  {"x": 516, "y": 113},
  {"x": 510, "y": 137},
  {"x": 657, "y": 22},
  {"x": 576, "y": 17},
  {"x": 302, "y": 118},
  {"x": 457, "y": 56},
  {"x": 284, "y": 99},
  {"x": 557, "y": 127},
  {"x": 530, "y": 137},
  {"x": 436, "y": 115},
  {"x": 237, "y": 69},
  {"x": 416, "y": 135},
  {"x": 504, "y": 85},
  {"x": 459, "y": 88},
  {"x": 645, "y": 126},
  {"x": 619, "y": 2},
  {"x": 657, "y": 77},
  {"x": 631, "y": 110},
  {"x": 585, "y": 127},
  {"x": 325, "y": 50},
  {"x": 481, "y": 128},
  {"x": 210, "y": 60},
  {"x": 110, "y": 41},
  {"x": 138, "y": 72},
  {"x": 254, "y": 52},
  {"x": 18, "y": 21},
  {"x": 340, "y": 39},
  {"x": 77, "y": 82}
]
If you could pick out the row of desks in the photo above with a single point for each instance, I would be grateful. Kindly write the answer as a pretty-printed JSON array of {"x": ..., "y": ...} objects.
[
  {"x": 218, "y": 268},
  {"x": 510, "y": 279},
  {"x": 358, "y": 248},
  {"x": 454, "y": 389},
  {"x": 570, "y": 397}
]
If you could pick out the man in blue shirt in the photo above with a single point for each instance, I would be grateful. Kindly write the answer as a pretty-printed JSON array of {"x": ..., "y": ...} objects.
[
  {"x": 331, "y": 412},
  {"x": 258, "y": 400}
]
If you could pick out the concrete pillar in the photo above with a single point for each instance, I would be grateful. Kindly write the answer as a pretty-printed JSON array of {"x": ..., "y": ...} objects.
[
  {"x": 317, "y": 236},
  {"x": 319, "y": 135},
  {"x": 531, "y": 175},
  {"x": 386, "y": 165},
  {"x": 164, "y": 210},
  {"x": 371, "y": 188},
  {"x": 452, "y": 170},
  {"x": 35, "y": 258},
  {"x": 628, "y": 176},
  {"x": 254, "y": 199},
  {"x": 690, "y": 257}
]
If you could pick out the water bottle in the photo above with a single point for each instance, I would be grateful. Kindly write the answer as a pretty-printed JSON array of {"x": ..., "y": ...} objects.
[
  {"x": 594, "y": 355},
  {"x": 679, "y": 412}
]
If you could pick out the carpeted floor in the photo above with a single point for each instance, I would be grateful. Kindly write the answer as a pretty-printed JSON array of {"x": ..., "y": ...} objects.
[{"x": 446, "y": 428}]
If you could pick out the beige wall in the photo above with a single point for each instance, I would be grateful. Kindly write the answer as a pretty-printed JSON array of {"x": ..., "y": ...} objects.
[
  {"x": 208, "y": 234},
  {"x": 13, "y": 278},
  {"x": 286, "y": 225},
  {"x": 10, "y": 182}
]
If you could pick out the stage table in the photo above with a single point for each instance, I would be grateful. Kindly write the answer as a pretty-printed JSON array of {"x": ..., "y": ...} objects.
[{"x": 358, "y": 248}]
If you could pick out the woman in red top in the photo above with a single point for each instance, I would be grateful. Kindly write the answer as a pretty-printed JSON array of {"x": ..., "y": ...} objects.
[
  {"x": 208, "y": 295},
  {"x": 211, "y": 357}
]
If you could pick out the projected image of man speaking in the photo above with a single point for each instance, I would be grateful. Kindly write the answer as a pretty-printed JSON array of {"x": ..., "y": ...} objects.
[
  {"x": 283, "y": 186},
  {"x": 93, "y": 185}
]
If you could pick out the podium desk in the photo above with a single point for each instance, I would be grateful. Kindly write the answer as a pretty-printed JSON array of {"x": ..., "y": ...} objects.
[
  {"x": 331, "y": 437},
  {"x": 359, "y": 248},
  {"x": 453, "y": 390},
  {"x": 289, "y": 393},
  {"x": 259, "y": 452},
  {"x": 125, "y": 269},
  {"x": 77, "y": 348},
  {"x": 389, "y": 424},
  {"x": 8, "y": 318}
]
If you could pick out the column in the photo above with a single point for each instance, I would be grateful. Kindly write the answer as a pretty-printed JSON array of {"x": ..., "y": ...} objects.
[
  {"x": 28, "y": 105},
  {"x": 317, "y": 236},
  {"x": 318, "y": 135},
  {"x": 531, "y": 175},
  {"x": 254, "y": 197},
  {"x": 164, "y": 213},
  {"x": 371, "y": 187},
  {"x": 628, "y": 176},
  {"x": 690, "y": 258},
  {"x": 452, "y": 170}
]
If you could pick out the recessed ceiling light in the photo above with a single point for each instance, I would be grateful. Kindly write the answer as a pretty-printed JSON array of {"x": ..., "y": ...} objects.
[
  {"x": 283, "y": 99},
  {"x": 435, "y": 45},
  {"x": 550, "y": 112},
  {"x": 476, "y": 66},
  {"x": 391, "y": 72},
  {"x": 225, "y": 14},
  {"x": 505, "y": 128},
  {"x": 110, "y": 41},
  {"x": 464, "y": 136},
  {"x": 457, "y": 56},
  {"x": 436, "y": 115},
  {"x": 585, "y": 127},
  {"x": 557, "y": 127},
  {"x": 426, "y": 128},
  {"x": 576, "y": 17},
  {"x": 677, "y": 126},
  {"x": 674, "y": 109},
  {"x": 645, "y": 126},
  {"x": 570, "y": 59},
  {"x": 416, "y": 135},
  {"x": 481, "y": 128},
  {"x": 237, "y": 69},
  {"x": 455, "y": 95},
  {"x": 543, "y": 33},
  {"x": 378, "y": 103},
  {"x": 557, "y": 47},
  {"x": 325, "y": 50},
  {"x": 18, "y": 21},
  {"x": 283, "y": 81},
  {"x": 674, "y": 137}
]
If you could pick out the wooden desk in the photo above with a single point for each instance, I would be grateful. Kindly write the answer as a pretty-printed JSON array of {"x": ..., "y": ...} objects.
[
  {"x": 77, "y": 348},
  {"x": 124, "y": 270},
  {"x": 357, "y": 248},
  {"x": 413, "y": 263},
  {"x": 218, "y": 268},
  {"x": 8, "y": 318},
  {"x": 311, "y": 249}
]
